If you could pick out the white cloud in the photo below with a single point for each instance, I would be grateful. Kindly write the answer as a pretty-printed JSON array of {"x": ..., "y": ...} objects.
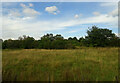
[
  {"x": 15, "y": 13},
  {"x": 30, "y": 12},
  {"x": 23, "y": 5},
  {"x": 53, "y": 10},
  {"x": 27, "y": 11},
  {"x": 96, "y": 13},
  {"x": 114, "y": 12},
  {"x": 77, "y": 15},
  {"x": 14, "y": 27},
  {"x": 27, "y": 18},
  {"x": 73, "y": 31},
  {"x": 31, "y": 5},
  {"x": 18, "y": 27},
  {"x": 108, "y": 4},
  {"x": 22, "y": 26}
]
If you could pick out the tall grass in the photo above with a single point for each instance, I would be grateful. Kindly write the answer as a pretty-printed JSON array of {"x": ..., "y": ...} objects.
[{"x": 84, "y": 64}]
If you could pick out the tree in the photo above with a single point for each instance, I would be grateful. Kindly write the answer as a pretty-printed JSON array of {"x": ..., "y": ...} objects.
[
  {"x": 73, "y": 42},
  {"x": 1, "y": 41},
  {"x": 59, "y": 42},
  {"x": 58, "y": 37},
  {"x": 82, "y": 41},
  {"x": 27, "y": 42},
  {"x": 99, "y": 37},
  {"x": 46, "y": 41},
  {"x": 96, "y": 37}
]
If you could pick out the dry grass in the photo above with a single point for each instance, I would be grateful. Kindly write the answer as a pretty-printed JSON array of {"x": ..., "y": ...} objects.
[{"x": 85, "y": 64}]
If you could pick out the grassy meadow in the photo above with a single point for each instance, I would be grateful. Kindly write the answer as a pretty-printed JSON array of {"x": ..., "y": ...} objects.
[{"x": 84, "y": 64}]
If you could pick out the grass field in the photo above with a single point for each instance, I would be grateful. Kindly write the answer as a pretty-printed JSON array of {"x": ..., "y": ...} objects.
[{"x": 85, "y": 64}]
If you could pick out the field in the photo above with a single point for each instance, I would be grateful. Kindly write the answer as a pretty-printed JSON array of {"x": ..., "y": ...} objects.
[{"x": 84, "y": 64}]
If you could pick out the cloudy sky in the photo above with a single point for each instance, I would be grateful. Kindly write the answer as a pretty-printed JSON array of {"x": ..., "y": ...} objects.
[{"x": 66, "y": 18}]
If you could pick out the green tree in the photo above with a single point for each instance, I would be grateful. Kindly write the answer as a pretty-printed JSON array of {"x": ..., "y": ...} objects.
[
  {"x": 1, "y": 41},
  {"x": 27, "y": 42},
  {"x": 58, "y": 42},
  {"x": 99, "y": 37},
  {"x": 46, "y": 41},
  {"x": 73, "y": 42}
]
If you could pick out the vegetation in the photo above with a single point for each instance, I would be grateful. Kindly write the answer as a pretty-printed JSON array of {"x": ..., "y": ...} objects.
[
  {"x": 97, "y": 37},
  {"x": 96, "y": 58},
  {"x": 84, "y": 64}
]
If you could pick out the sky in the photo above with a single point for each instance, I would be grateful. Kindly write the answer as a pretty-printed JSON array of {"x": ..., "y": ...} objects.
[{"x": 70, "y": 19}]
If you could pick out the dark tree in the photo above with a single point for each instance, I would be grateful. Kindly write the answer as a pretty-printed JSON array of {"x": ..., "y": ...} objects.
[
  {"x": 99, "y": 37},
  {"x": 1, "y": 41},
  {"x": 46, "y": 41},
  {"x": 27, "y": 42}
]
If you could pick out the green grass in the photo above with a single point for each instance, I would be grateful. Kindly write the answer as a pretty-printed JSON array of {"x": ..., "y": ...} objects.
[{"x": 85, "y": 64}]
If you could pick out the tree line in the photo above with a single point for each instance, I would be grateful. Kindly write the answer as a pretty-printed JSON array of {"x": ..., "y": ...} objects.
[{"x": 96, "y": 37}]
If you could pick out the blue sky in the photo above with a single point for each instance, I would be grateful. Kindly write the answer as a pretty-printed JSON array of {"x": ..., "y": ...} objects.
[{"x": 66, "y": 18}]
